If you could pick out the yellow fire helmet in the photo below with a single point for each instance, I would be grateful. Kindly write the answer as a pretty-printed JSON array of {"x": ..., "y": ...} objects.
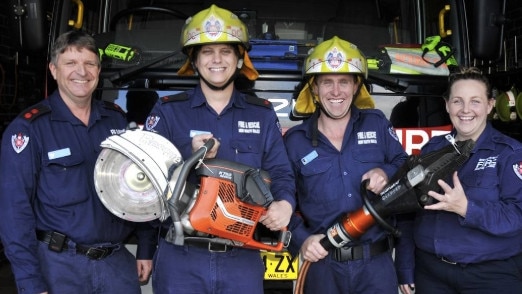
[
  {"x": 216, "y": 25},
  {"x": 336, "y": 56},
  {"x": 333, "y": 56}
]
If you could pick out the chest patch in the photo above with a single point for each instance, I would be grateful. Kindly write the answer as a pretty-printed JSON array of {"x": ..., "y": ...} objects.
[
  {"x": 249, "y": 127},
  {"x": 366, "y": 138},
  {"x": 483, "y": 163}
]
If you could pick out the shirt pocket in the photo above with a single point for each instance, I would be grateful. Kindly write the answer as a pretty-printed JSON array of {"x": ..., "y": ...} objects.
[
  {"x": 482, "y": 185},
  {"x": 316, "y": 180},
  {"x": 247, "y": 151},
  {"x": 371, "y": 156},
  {"x": 66, "y": 180}
]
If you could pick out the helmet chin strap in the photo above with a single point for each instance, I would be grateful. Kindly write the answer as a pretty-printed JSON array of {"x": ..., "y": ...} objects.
[{"x": 232, "y": 78}]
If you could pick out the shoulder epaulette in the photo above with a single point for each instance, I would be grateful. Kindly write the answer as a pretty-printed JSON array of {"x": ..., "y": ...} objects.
[
  {"x": 175, "y": 97},
  {"x": 501, "y": 138},
  {"x": 372, "y": 111},
  {"x": 437, "y": 139},
  {"x": 113, "y": 106},
  {"x": 258, "y": 101},
  {"x": 35, "y": 111}
]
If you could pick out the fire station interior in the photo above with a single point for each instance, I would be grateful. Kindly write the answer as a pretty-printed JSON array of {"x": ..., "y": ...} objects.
[
  {"x": 152, "y": 29},
  {"x": 154, "y": 37}
]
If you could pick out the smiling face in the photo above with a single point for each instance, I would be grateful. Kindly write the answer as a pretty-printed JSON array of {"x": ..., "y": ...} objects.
[
  {"x": 217, "y": 63},
  {"x": 468, "y": 106},
  {"x": 336, "y": 92},
  {"x": 76, "y": 72}
]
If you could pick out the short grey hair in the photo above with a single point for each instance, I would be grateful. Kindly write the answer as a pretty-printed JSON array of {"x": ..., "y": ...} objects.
[{"x": 77, "y": 39}]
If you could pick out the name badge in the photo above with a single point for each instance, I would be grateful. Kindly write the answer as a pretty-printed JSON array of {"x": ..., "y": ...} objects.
[
  {"x": 59, "y": 153},
  {"x": 196, "y": 132},
  {"x": 309, "y": 157}
]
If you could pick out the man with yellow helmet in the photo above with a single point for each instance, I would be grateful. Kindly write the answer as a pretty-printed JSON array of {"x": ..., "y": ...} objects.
[
  {"x": 246, "y": 130},
  {"x": 336, "y": 147}
]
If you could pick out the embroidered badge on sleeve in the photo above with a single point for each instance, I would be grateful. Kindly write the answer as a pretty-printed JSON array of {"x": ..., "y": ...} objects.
[
  {"x": 19, "y": 142},
  {"x": 151, "y": 122},
  {"x": 517, "y": 168}
]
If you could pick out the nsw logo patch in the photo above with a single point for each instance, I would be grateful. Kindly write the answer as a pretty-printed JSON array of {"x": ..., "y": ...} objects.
[
  {"x": 19, "y": 142},
  {"x": 517, "y": 168}
]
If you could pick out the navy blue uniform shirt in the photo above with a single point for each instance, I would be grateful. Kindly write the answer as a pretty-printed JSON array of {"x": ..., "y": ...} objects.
[
  {"x": 248, "y": 130},
  {"x": 47, "y": 173},
  {"x": 492, "y": 228},
  {"x": 329, "y": 180}
]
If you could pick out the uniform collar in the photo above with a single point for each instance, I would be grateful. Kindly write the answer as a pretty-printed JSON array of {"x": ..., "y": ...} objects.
[
  {"x": 198, "y": 99},
  {"x": 61, "y": 112},
  {"x": 485, "y": 141}
]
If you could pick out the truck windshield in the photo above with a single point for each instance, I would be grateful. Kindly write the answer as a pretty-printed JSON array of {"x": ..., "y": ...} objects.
[{"x": 281, "y": 32}]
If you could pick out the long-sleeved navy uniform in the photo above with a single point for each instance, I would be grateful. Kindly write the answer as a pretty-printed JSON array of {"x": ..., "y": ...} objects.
[
  {"x": 329, "y": 182},
  {"x": 249, "y": 133},
  {"x": 492, "y": 228},
  {"x": 47, "y": 172}
]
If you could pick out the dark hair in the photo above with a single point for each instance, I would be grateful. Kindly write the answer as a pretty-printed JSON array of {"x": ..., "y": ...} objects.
[
  {"x": 469, "y": 73},
  {"x": 78, "y": 39}
]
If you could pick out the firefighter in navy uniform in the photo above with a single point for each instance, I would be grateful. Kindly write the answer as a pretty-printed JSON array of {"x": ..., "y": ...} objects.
[
  {"x": 337, "y": 147},
  {"x": 246, "y": 130},
  {"x": 58, "y": 236},
  {"x": 470, "y": 240}
]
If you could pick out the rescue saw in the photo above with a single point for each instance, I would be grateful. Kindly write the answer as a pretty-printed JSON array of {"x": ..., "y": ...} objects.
[{"x": 140, "y": 176}]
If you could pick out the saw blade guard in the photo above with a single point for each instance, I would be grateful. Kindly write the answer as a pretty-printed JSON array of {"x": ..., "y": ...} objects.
[{"x": 133, "y": 175}]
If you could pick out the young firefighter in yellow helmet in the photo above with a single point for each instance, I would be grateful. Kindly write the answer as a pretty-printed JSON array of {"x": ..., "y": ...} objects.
[
  {"x": 246, "y": 130},
  {"x": 332, "y": 152}
]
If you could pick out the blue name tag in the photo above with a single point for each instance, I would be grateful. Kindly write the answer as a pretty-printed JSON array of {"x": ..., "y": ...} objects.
[
  {"x": 59, "y": 153},
  {"x": 309, "y": 157},
  {"x": 196, "y": 132}
]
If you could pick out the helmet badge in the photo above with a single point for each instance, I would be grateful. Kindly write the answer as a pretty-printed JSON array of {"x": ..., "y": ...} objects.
[
  {"x": 334, "y": 59},
  {"x": 213, "y": 27}
]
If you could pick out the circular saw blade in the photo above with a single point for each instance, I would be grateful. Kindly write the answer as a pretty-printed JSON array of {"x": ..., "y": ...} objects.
[
  {"x": 125, "y": 189},
  {"x": 134, "y": 174}
]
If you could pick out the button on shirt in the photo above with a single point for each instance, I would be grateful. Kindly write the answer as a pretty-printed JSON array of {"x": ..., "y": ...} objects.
[
  {"x": 492, "y": 228},
  {"x": 329, "y": 180},
  {"x": 48, "y": 165}
]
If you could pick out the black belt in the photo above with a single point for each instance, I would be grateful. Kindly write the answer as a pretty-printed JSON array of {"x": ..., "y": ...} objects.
[
  {"x": 442, "y": 258},
  {"x": 91, "y": 252},
  {"x": 209, "y": 245},
  {"x": 357, "y": 252}
]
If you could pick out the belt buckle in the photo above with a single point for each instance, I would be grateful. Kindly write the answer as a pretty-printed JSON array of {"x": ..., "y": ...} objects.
[
  {"x": 347, "y": 253},
  {"x": 344, "y": 254},
  {"x": 97, "y": 253},
  {"x": 218, "y": 249},
  {"x": 444, "y": 259}
]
